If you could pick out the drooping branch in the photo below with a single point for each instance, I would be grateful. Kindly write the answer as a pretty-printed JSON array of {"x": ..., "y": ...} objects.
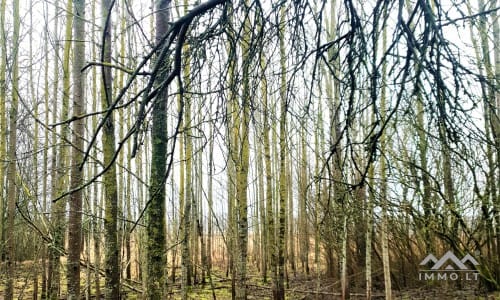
[{"x": 163, "y": 44}]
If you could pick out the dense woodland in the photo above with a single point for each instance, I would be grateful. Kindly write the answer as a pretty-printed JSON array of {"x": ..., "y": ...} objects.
[{"x": 215, "y": 149}]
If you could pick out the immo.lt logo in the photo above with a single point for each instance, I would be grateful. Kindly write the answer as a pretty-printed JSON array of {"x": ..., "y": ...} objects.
[{"x": 449, "y": 267}]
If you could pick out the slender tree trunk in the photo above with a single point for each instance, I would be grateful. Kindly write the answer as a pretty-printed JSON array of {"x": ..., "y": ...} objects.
[
  {"x": 185, "y": 270},
  {"x": 262, "y": 258},
  {"x": 189, "y": 208},
  {"x": 269, "y": 199},
  {"x": 187, "y": 266},
  {"x": 36, "y": 174},
  {"x": 210, "y": 199},
  {"x": 369, "y": 237},
  {"x": 426, "y": 183},
  {"x": 242, "y": 201},
  {"x": 496, "y": 134},
  {"x": 279, "y": 293},
  {"x": 264, "y": 174},
  {"x": 344, "y": 285},
  {"x": 3, "y": 122},
  {"x": 369, "y": 211},
  {"x": 384, "y": 235},
  {"x": 232, "y": 109},
  {"x": 75, "y": 205},
  {"x": 155, "y": 214},
  {"x": 96, "y": 203},
  {"x": 291, "y": 218},
  {"x": 128, "y": 180},
  {"x": 59, "y": 158},
  {"x": 231, "y": 199},
  {"x": 241, "y": 157},
  {"x": 318, "y": 146},
  {"x": 383, "y": 184},
  {"x": 59, "y": 174},
  {"x": 199, "y": 219},
  {"x": 112, "y": 267},
  {"x": 303, "y": 199},
  {"x": 10, "y": 253},
  {"x": 45, "y": 171}
]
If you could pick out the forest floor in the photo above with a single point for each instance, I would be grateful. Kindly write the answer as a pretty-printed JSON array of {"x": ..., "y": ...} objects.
[{"x": 300, "y": 287}]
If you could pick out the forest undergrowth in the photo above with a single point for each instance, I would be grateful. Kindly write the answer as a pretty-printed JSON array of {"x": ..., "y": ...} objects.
[{"x": 299, "y": 287}]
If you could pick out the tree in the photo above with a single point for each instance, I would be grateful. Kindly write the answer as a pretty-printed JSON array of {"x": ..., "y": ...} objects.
[
  {"x": 155, "y": 214},
  {"x": 96, "y": 196},
  {"x": 10, "y": 251},
  {"x": 279, "y": 293},
  {"x": 78, "y": 136},
  {"x": 59, "y": 161},
  {"x": 240, "y": 157},
  {"x": 110, "y": 181},
  {"x": 3, "y": 119},
  {"x": 188, "y": 190},
  {"x": 303, "y": 179},
  {"x": 491, "y": 99}
]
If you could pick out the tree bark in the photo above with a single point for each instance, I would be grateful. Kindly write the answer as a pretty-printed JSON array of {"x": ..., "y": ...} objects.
[
  {"x": 59, "y": 158},
  {"x": 279, "y": 292},
  {"x": 189, "y": 208},
  {"x": 10, "y": 253},
  {"x": 3, "y": 119},
  {"x": 241, "y": 158},
  {"x": 75, "y": 201},
  {"x": 111, "y": 264},
  {"x": 155, "y": 214}
]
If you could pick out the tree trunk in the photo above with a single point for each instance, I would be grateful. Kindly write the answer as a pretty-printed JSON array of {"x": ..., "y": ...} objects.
[
  {"x": 75, "y": 205},
  {"x": 96, "y": 203},
  {"x": 10, "y": 253},
  {"x": 187, "y": 215},
  {"x": 261, "y": 198},
  {"x": 269, "y": 200},
  {"x": 232, "y": 133},
  {"x": 496, "y": 135},
  {"x": 34, "y": 200},
  {"x": 189, "y": 208},
  {"x": 45, "y": 171},
  {"x": 369, "y": 238},
  {"x": 265, "y": 176},
  {"x": 210, "y": 199},
  {"x": 291, "y": 218},
  {"x": 156, "y": 256},
  {"x": 279, "y": 292},
  {"x": 383, "y": 176},
  {"x": 111, "y": 264},
  {"x": 241, "y": 157},
  {"x": 3, "y": 121},
  {"x": 59, "y": 159},
  {"x": 155, "y": 214},
  {"x": 303, "y": 198}
]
